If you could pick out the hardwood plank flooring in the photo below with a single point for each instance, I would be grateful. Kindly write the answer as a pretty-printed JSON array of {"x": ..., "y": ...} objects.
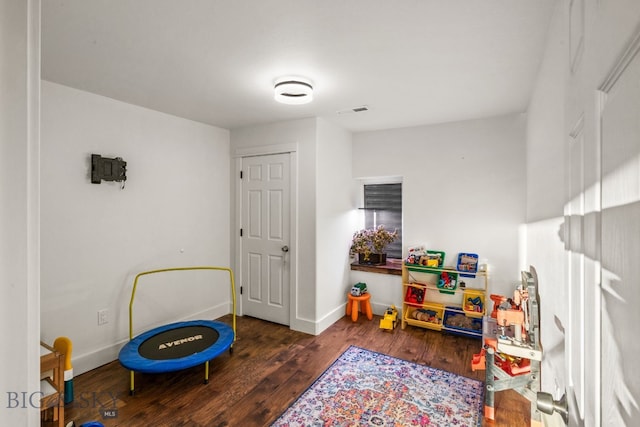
[{"x": 269, "y": 368}]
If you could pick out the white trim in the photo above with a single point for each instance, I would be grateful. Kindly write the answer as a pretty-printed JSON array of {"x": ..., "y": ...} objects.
[
  {"x": 295, "y": 322},
  {"x": 601, "y": 99},
  {"x": 237, "y": 265},
  {"x": 336, "y": 314},
  {"x": 576, "y": 44},
  {"x": 304, "y": 325},
  {"x": 265, "y": 150},
  {"x": 33, "y": 201},
  {"x": 293, "y": 239},
  {"x": 577, "y": 308},
  {"x": 332, "y": 317},
  {"x": 621, "y": 64},
  {"x": 576, "y": 132},
  {"x": 380, "y": 180}
]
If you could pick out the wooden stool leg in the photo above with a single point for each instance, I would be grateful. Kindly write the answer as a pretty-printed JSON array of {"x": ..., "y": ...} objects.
[{"x": 354, "y": 311}]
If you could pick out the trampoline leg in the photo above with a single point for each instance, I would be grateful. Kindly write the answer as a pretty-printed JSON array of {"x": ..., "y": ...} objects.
[
  {"x": 131, "y": 386},
  {"x": 206, "y": 372}
]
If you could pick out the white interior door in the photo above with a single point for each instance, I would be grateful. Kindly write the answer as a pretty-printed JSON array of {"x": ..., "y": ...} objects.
[
  {"x": 620, "y": 130},
  {"x": 265, "y": 237}
]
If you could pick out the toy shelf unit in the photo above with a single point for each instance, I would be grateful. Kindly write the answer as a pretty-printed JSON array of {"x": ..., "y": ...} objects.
[
  {"x": 51, "y": 384},
  {"x": 444, "y": 299}
]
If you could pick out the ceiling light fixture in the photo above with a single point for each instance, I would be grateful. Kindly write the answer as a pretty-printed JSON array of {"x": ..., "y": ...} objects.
[{"x": 293, "y": 90}]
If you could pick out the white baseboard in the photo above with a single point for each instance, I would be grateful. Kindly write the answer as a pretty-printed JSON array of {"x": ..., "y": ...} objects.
[
  {"x": 331, "y": 318},
  {"x": 339, "y": 312},
  {"x": 303, "y": 325}
]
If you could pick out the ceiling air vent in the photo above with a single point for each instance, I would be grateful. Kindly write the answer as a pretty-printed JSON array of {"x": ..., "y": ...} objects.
[{"x": 354, "y": 110}]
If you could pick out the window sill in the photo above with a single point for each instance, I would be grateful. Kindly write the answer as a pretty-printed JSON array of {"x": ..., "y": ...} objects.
[{"x": 393, "y": 266}]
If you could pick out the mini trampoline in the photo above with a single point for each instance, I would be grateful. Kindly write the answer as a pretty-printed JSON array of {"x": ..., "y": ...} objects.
[{"x": 179, "y": 345}]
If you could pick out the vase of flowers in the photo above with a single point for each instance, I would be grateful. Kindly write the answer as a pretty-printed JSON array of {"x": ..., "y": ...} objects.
[{"x": 369, "y": 244}]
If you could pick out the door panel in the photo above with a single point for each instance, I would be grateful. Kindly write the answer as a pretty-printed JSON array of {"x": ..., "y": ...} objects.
[
  {"x": 254, "y": 202},
  {"x": 620, "y": 129},
  {"x": 265, "y": 215},
  {"x": 276, "y": 294},
  {"x": 254, "y": 277},
  {"x": 276, "y": 228}
]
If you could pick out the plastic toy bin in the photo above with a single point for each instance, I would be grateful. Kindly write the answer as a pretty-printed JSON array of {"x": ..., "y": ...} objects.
[
  {"x": 473, "y": 303},
  {"x": 455, "y": 321},
  {"x": 428, "y": 316}
]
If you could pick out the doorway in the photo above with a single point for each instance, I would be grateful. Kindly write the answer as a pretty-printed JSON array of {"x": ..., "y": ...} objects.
[{"x": 265, "y": 241}]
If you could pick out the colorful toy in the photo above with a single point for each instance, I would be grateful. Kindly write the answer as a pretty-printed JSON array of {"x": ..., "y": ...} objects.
[
  {"x": 497, "y": 301},
  {"x": 474, "y": 304},
  {"x": 414, "y": 254},
  {"x": 447, "y": 283},
  {"x": 359, "y": 289},
  {"x": 467, "y": 263},
  {"x": 462, "y": 321},
  {"x": 87, "y": 424},
  {"x": 435, "y": 259},
  {"x": 478, "y": 361},
  {"x": 414, "y": 295},
  {"x": 390, "y": 318},
  {"x": 200, "y": 341},
  {"x": 425, "y": 315},
  {"x": 64, "y": 346}
]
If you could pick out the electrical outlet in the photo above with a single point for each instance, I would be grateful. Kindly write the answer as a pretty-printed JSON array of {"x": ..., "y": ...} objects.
[{"x": 103, "y": 316}]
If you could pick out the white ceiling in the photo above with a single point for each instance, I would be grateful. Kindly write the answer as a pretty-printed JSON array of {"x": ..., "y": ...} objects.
[{"x": 412, "y": 62}]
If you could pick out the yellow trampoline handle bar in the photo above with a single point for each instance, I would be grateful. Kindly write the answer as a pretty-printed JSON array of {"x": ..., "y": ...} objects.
[{"x": 163, "y": 270}]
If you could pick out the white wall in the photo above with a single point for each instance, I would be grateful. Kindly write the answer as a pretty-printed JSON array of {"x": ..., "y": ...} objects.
[
  {"x": 301, "y": 134},
  {"x": 172, "y": 212},
  {"x": 336, "y": 198},
  {"x": 385, "y": 289},
  {"x": 463, "y": 187},
  {"x": 19, "y": 211}
]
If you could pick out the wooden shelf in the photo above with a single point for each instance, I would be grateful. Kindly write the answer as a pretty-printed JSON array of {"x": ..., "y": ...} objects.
[
  {"x": 52, "y": 384},
  {"x": 393, "y": 267},
  {"x": 447, "y": 303},
  {"x": 435, "y": 288},
  {"x": 446, "y": 269}
]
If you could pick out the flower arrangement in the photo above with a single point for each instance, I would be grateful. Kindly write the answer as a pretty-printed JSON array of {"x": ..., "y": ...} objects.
[{"x": 372, "y": 241}]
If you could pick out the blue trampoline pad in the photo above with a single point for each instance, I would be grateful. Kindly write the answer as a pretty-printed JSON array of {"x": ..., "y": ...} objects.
[{"x": 176, "y": 346}]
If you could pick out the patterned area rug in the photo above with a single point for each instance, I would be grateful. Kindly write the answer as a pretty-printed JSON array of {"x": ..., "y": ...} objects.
[{"x": 365, "y": 388}]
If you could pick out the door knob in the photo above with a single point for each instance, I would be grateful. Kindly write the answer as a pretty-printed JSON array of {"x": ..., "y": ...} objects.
[
  {"x": 546, "y": 404},
  {"x": 285, "y": 248}
]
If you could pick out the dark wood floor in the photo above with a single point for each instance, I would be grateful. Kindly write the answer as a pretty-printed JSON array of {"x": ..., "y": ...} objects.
[{"x": 269, "y": 368}]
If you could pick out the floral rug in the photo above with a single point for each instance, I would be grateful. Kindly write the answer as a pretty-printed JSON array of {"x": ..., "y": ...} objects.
[{"x": 363, "y": 388}]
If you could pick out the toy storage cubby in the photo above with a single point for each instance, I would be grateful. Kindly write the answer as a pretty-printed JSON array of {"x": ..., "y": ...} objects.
[{"x": 433, "y": 299}]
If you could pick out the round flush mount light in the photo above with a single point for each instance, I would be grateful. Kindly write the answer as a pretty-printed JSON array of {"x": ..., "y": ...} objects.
[{"x": 293, "y": 90}]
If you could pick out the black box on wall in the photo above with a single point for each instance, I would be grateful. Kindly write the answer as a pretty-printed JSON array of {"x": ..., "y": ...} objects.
[{"x": 105, "y": 169}]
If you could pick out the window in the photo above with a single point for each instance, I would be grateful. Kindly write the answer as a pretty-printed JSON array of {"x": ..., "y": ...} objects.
[{"x": 383, "y": 206}]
